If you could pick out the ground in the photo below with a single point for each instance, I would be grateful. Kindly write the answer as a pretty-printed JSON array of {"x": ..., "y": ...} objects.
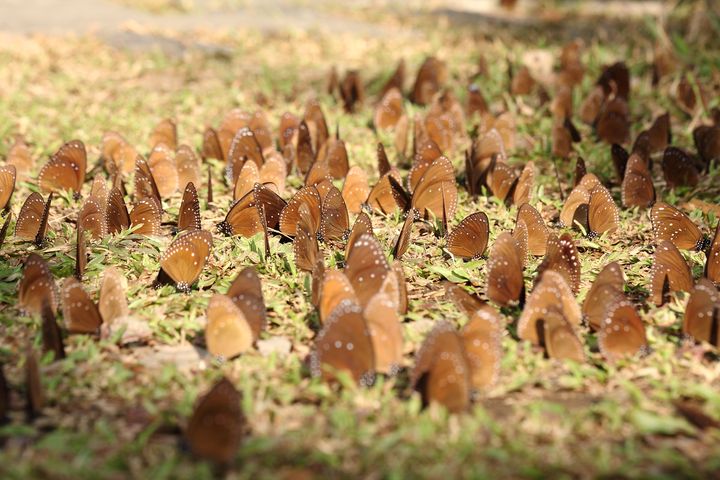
[{"x": 115, "y": 412}]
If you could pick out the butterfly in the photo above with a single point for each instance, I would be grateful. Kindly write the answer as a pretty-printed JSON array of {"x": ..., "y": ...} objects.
[
  {"x": 506, "y": 185},
  {"x": 679, "y": 169},
  {"x": 592, "y": 208},
  {"x": 316, "y": 123},
  {"x": 290, "y": 214},
  {"x": 189, "y": 214},
  {"x": 19, "y": 156},
  {"x": 351, "y": 90},
  {"x": 396, "y": 80},
  {"x": 146, "y": 216},
  {"x": 305, "y": 243},
  {"x": 334, "y": 220},
  {"x": 550, "y": 317},
  {"x": 615, "y": 78},
  {"x": 702, "y": 313},
  {"x": 65, "y": 170},
  {"x": 164, "y": 133},
  {"x": 605, "y": 291},
  {"x": 707, "y": 142},
  {"x": 164, "y": 170},
  {"x": 145, "y": 186},
  {"x": 612, "y": 124},
  {"x": 92, "y": 219},
  {"x": 622, "y": 332},
  {"x": 537, "y": 231},
  {"x": 334, "y": 154},
  {"x": 334, "y": 287},
  {"x": 81, "y": 257},
  {"x": 4, "y": 228},
  {"x": 112, "y": 304},
  {"x": 227, "y": 333},
  {"x": 117, "y": 153},
  {"x": 442, "y": 372},
  {"x": 217, "y": 424},
  {"x": 51, "y": 335},
  {"x": 33, "y": 218},
  {"x": 505, "y": 282},
  {"x": 389, "y": 110},
  {"x": 188, "y": 167},
  {"x": 211, "y": 147},
  {"x": 431, "y": 76},
  {"x": 287, "y": 130},
  {"x": 564, "y": 134},
  {"x": 670, "y": 272},
  {"x": 403, "y": 241},
  {"x": 466, "y": 302},
  {"x": 244, "y": 216},
  {"x": 436, "y": 190},
  {"x": 185, "y": 258},
  {"x": 362, "y": 225},
  {"x": 470, "y": 238},
  {"x": 34, "y": 394},
  {"x": 476, "y": 102},
  {"x": 246, "y": 292},
  {"x": 669, "y": 223},
  {"x": 366, "y": 267},
  {"x": 344, "y": 347},
  {"x": 388, "y": 195},
  {"x": 656, "y": 138},
  {"x": 355, "y": 190},
  {"x": 571, "y": 67},
  {"x": 563, "y": 257},
  {"x": 637, "y": 186},
  {"x": 79, "y": 311},
  {"x": 209, "y": 187},
  {"x": 244, "y": 147},
  {"x": 383, "y": 323},
  {"x": 712, "y": 264},
  {"x": 8, "y": 173}
]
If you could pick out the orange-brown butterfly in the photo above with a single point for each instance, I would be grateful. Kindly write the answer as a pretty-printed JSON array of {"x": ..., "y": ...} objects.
[
  {"x": 290, "y": 214},
  {"x": 622, "y": 332},
  {"x": 592, "y": 208},
  {"x": 334, "y": 287},
  {"x": 403, "y": 241},
  {"x": 679, "y": 168},
  {"x": 36, "y": 285},
  {"x": 388, "y": 195},
  {"x": 244, "y": 147},
  {"x": 112, "y": 303},
  {"x": 164, "y": 170},
  {"x": 563, "y": 257},
  {"x": 505, "y": 282},
  {"x": 8, "y": 174},
  {"x": 92, "y": 219},
  {"x": 637, "y": 186},
  {"x": 670, "y": 272},
  {"x": 362, "y": 225},
  {"x": 436, "y": 190},
  {"x": 305, "y": 243},
  {"x": 381, "y": 316},
  {"x": 366, "y": 267},
  {"x": 146, "y": 215},
  {"x": 227, "y": 332},
  {"x": 211, "y": 147},
  {"x": 165, "y": 132},
  {"x": 117, "y": 153},
  {"x": 145, "y": 186},
  {"x": 51, "y": 335},
  {"x": 33, "y": 218},
  {"x": 188, "y": 166},
  {"x": 244, "y": 216},
  {"x": 431, "y": 77},
  {"x": 669, "y": 223},
  {"x": 476, "y": 102},
  {"x": 396, "y": 80},
  {"x": 316, "y": 123},
  {"x": 536, "y": 228},
  {"x": 185, "y": 258},
  {"x": 217, "y": 424},
  {"x": 246, "y": 293},
  {"x": 19, "y": 156},
  {"x": 344, "y": 347},
  {"x": 79, "y": 311},
  {"x": 334, "y": 154},
  {"x": 189, "y": 214},
  {"x": 605, "y": 291},
  {"x": 550, "y": 317},
  {"x": 334, "y": 220},
  {"x": 470, "y": 238},
  {"x": 65, "y": 170},
  {"x": 389, "y": 111},
  {"x": 355, "y": 190},
  {"x": 442, "y": 373},
  {"x": 702, "y": 314},
  {"x": 712, "y": 264}
]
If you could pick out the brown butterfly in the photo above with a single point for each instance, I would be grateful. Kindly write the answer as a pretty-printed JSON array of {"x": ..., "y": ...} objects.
[
  {"x": 352, "y": 91},
  {"x": 146, "y": 216},
  {"x": 425, "y": 153},
  {"x": 79, "y": 311},
  {"x": 344, "y": 347},
  {"x": 19, "y": 156},
  {"x": 396, "y": 80},
  {"x": 707, "y": 142},
  {"x": 334, "y": 220},
  {"x": 244, "y": 147},
  {"x": 615, "y": 78},
  {"x": 80, "y": 253},
  {"x": 189, "y": 214},
  {"x": 117, "y": 153},
  {"x": 334, "y": 153},
  {"x": 442, "y": 373},
  {"x": 466, "y": 302},
  {"x": 305, "y": 243},
  {"x": 164, "y": 170},
  {"x": 92, "y": 218},
  {"x": 34, "y": 394},
  {"x": 403, "y": 241},
  {"x": 622, "y": 332},
  {"x": 563, "y": 257},
  {"x": 476, "y": 102},
  {"x": 145, "y": 186},
  {"x": 389, "y": 111},
  {"x": 506, "y": 185},
  {"x": 185, "y": 258},
  {"x": 290, "y": 215},
  {"x": 702, "y": 314},
  {"x": 287, "y": 130},
  {"x": 669, "y": 223},
  {"x": 656, "y": 138},
  {"x": 571, "y": 67},
  {"x": 362, "y": 225},
  {"x": 244, "y": 216},
  {"x": 117, "y": 217},
  {"x": 436, "y": 190},
  {"x": 355, "y": 190},
  {"x": 65, "y": 170},
  {"x": 112, "y": 304},
  {"x": 366, "y": 267},
  {"x": 550, "y": 317},
  {"x": 228, "y": 332},
  {"x": 431, "y": 77},
  {"x": 593, "y": 209},
  {"x": 536, "y": 229},
  {"x": 670, "y": 272},
  {"x": 388, "y": 195},
  {"x": 613, "y": 122},
  {"x": 712, "y": 264},
  {"x": 470, "y": 238},
  {"x": 334, "y": 288},
  {"x": 211, "y": 147},
  {"x": 4, "y": 228},
  {"x": 7, "y": 185},
  {"x": 315, "y": 120},
  {"x": 164, "y": 133},
  {"x": 505, "y": 282},
  {"x": 637, "y": 185},
  {"x": 381, "y": 316},
  {"x": 246, "y": 293},
  {"x": 51, "y": 335},
  {"x": 217, "y": 424},
  {"x": 33, "y": 218},
  {"x": 605, "y": 291},
  {"x": 679, "y": 168},
  {"x": 188, "y": 166}
]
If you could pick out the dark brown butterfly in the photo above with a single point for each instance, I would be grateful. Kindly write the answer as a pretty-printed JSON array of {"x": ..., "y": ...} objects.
[
  {"x": 209, "y": 186},
  {"x": 65, "y": 170},
  {"x": 403, "y": 241},
  {"x": 227, "y": 332},
  {"x": 290, "y": 215},
  {"x": 702, "y": 314},
  {"x": 344, "y": 347},
  {"x": 305, "y": 243},
  {"x": 189, "y": 215},
  {"x": 51, "y": 335},
  {"x": 117, "y": 217},
  {"x": 33, "y": 218},
  {"x": 470, "y": 238},
  {"x": 362, "y": 225},
  {"x": 506, "y": 185},
  {"x": 594, "y": 209},
  {"x": 211, "y": 145},
  {"x": 505, "y": 282},
  {"x": 351, "y": 90},
  {"x": 34, "y": 394},
  {"x": 563, "y": 257},
  {"x": 615, "y": 78},
  {"x": 355, "y": 190},
  {"x": 475, "y": 101},
  {"x": 164, "y": 170},
  {"x": 637, "y": 186},
  {"x": 36, "y": 285},
  {"x": 185, "y": 258},
  {"x": 79, "y": 311},
  {"x": 436, "y": 190},
  {"x": 613, "y": 123},
  {"x": 591, "y": 105},
  {"x": 430, "y": 79},
  {"x": 671, "y": 224},
  {"x": 657, "y": 137},
  {"x": 80, "y": 253},
  {"x": 605, "y": 291},
  {"x": 620, "y": 158},
  {"x": 388, "y": 195},
  {"x": 334, "y": 220},
  {"x": 315, "y": 120},
  {"x": 244, "y": 147},
  {"x": 366, "y": 267},
  {"x": 146, "y": 216},
  {"x": 536, "y": 228},
  {"x": 712, "y": 264},
  {"x": 622, "y": 332},
  {"x": 244, "y": 216},
  {"x": 442, "y": 373},
  {"x": 92, "y": 219},
  {"x": 217, "y": 424},
  {"x": 7, "y": 185},
  {"x": 679, "y": 168},
  {"x": 164, "y": 133},
  {"x": 145, "y": 186},
  {"x": 550, "y": 316},
  {"x": 670, "y": 272},
  {"x": 707, "y": 142}
]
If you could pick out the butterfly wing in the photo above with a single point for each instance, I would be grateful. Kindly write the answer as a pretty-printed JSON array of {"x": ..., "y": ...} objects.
[
  {"x": 79, "y": 311},
  {"x": 470, "y": 238}
]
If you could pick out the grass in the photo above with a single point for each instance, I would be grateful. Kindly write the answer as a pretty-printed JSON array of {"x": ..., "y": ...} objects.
[{"x": 117, "y": 411}]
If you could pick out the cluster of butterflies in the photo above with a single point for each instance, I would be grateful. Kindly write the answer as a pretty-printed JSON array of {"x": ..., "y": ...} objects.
[{"x": 361, "y": 303}]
